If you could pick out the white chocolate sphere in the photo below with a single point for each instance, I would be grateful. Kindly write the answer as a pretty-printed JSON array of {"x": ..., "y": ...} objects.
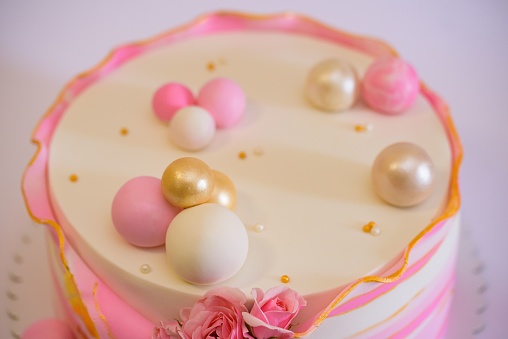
[
  {"x": 206, "y": 244},
  {"x": 403, "y": 174},
  {"x": 192, "y": 128},
  {"x": 332, "y": 85}
]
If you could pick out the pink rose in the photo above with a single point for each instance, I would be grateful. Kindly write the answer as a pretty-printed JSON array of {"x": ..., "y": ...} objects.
[
  {"x": 272, "y": 313},
  {"x": 166, "y": 331},
  {"x": 217, "y": 315}
]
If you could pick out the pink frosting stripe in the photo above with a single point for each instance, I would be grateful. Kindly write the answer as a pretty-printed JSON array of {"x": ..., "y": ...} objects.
[
  {"x": 419, "y": 251},
  {"x": 443, "y": 297},
  {"x": 112, "y": 316},
  {"x": 366, "y": 298},
  {"x": 425, "y": 301},
  {"x": 35, "y": 187},
  {"x": 367, "y": 292},
  {"x": 429, "y": 236},
  {"x": 442, "y": 321},
  {"x": 64, "y": 310},
  {"x": 438, "y": 324}
]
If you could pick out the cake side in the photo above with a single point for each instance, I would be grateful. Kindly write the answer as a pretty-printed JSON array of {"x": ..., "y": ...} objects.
[
  {"x": 232, "y": 22},
  {"x": 411, "y": 306}
]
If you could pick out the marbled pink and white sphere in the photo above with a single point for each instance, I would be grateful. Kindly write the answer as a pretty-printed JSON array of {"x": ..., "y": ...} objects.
[
  {"x": 224, "y": 99},
  {"x": 192, "y": 128},
  {"x": 140, "y": 212},
  {"x": 390, "y": 86},
  {"x": 169, "y": 98}
]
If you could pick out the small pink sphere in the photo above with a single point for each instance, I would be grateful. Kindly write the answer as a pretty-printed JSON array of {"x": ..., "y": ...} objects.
[
  {"x": 390, "y": 86},
  {"x": 169, "y": 98},
  {"x": 48, "y": 329},
  {"x": 140, "y": 212},
  {"x": 225, "y": 101}
]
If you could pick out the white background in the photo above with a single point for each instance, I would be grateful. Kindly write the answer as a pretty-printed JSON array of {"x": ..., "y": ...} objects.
[{"x": 459, "y": 47}]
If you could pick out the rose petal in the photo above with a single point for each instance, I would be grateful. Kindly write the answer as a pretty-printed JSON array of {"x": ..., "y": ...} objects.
[
  {"x": 262, "y": 330},
  {"x": 217, "y": 315},
  {"x": 233, "y": 295}
]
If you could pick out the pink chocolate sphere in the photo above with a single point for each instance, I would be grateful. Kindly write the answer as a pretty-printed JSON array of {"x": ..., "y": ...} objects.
[
  {"x": 225, "y": 101},
  {"x": 48, "y": 329},
  {"x": 390, "y": 86},
  {"x": 140, "y": 212},
  {"x": 169, "y": 98}
]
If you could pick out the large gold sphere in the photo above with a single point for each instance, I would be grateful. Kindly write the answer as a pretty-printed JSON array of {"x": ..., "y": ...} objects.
[
  {"x": 403, "y": 174},
  {"x": 332, "y": 85},
  {"x": 187, "y": 182},
  {"x": 224, "y": 192}
]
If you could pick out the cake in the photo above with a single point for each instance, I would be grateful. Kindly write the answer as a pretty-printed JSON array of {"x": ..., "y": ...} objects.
[{"x": 327, "y": 250}]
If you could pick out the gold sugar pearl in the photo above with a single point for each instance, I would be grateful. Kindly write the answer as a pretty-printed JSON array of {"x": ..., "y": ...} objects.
[
  {"x": 242, "y": 155},
  {"x": 73, "y": 178},
  {"x": 124, "y": 131},
  {"x": 210, "y": 66},
  {"x": 284, "y": 279},
  {"x": 368, "y": 227},
  {"x": 372, "y": 228},
  {"x": 364, "y": 127}
]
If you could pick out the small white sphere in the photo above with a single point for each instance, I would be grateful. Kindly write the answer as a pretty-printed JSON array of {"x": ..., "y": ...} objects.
[
  {"x": 206, "y": 244},
  {"x": 192, "y": 128},
  {"x": 375, "y": 231},
  {"x": 332, "y": 85}
]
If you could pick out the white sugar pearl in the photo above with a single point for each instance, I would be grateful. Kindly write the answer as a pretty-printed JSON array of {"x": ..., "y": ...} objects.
[
  {"x": 258, "y": 228},
  {"x": 192, "y": 128},
  {"x": 145, "y": 269}
]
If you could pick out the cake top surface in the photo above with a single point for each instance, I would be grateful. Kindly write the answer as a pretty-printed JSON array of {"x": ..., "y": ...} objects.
[{"x": 305, "y": 176}]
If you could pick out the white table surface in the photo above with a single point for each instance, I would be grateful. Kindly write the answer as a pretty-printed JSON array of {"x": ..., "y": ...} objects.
[{"x": 459, "y": 47}]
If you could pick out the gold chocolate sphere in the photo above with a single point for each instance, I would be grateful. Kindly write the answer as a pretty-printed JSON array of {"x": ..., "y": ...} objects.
[
  {"x": 332, "y": 85},
  {"x": 403, "y": 174},
  {"x": 224, "y": 191},
  {"x": 187, "y": 182}
]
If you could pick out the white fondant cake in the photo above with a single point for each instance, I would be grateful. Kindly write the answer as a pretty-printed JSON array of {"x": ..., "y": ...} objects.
[{"x": 304, "y": 175}]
